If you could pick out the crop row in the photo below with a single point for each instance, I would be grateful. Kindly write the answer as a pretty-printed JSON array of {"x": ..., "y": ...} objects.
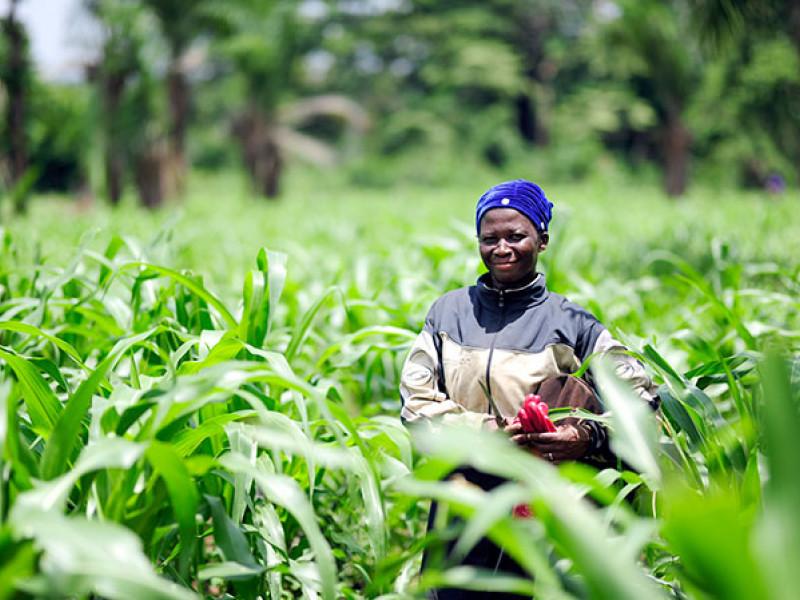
[{"x": 159, "y": 441}]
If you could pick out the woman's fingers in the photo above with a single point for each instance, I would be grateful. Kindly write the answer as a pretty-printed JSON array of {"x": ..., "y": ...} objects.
[
  {"x": 556, "y": 447},
  {"x": 514, "y": 428},
  {"x": 548, "y": 438},
  {"x": 535, "y": 439},
  {"x": 565, "y": 434},
  {"x": 563, "y": 444}
]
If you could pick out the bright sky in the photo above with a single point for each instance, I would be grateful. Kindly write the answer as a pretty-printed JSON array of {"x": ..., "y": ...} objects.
[{"x": 53, "y": 28}]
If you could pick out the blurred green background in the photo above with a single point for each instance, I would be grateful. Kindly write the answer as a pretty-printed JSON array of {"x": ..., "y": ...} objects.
[{"x": 135, "y": 98}]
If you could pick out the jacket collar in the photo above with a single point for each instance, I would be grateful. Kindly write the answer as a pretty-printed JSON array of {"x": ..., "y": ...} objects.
[{"x": 532, "y": 293}]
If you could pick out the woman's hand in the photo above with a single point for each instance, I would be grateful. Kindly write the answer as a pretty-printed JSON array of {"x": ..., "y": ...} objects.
[{"x": 570, "y": 441}]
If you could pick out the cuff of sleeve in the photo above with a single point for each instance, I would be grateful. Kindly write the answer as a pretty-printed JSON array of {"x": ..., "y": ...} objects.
[{"x": 598, "y": 438}]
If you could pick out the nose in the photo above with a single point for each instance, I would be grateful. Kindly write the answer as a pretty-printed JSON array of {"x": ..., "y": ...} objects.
[{"x": 502, "y": 248}]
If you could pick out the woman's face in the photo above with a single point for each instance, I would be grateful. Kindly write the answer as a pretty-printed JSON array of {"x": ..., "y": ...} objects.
[{"x": 509, "y": 246}]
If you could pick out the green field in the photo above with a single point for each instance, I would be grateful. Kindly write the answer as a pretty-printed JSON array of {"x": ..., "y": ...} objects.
[{"x": 178, "y": 406}]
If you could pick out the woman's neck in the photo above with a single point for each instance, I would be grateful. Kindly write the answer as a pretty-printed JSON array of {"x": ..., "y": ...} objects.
[{"x": 513, "y": 285}]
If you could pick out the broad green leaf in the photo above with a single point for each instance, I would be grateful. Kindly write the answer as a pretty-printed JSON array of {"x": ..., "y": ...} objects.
[
  {"x": 5, "y": 398},
  {"x": 515, "y": 537},
  {"x": 344, "y": 353},
  {"x": 114, "y": 246},
  {"x": 480, "y": 580},
  {"x": 285, "y": 492},
  {"x": 21, "y": 327},
  {"x": 182, "y": 493},
  {"x": 278, "y": 432},
  {"x": 241, "y": 443},
  {"x": 499, "y": 504},
  {"x": 225, "y": 348},
  {"x": 235, "y": 548},
  {"x": 572, "y": 523},
  {"x": 189, "y": 284},
  {"x": 229, "y": 570},
  {"x": 304, "y": 325},
  {"x": 43, "y": 406},
  {"x": 678, "y": 414},
  {"x": 713, "y": 534},
  {"x": 633, "y": 424},
  {"x": 778, "y": 543},
  {"x": 83, "y": 556},
  {"x": 255, "y": 313},
  {"x": 228, "y": 535},
  {"x": 187, "y": 440},
  {"x": 262, "y": 290},
  {"x": 67, "y": 431},
  {"x": 107, "y": 453},
  {"x": 23, "y": 460},
  {"x": 274, "y": 263},
  {"x": 18, "y": 564}
]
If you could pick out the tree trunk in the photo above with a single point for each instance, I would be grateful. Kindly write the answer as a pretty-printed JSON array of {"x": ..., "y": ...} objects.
[
  {"x": 794, "y": 30},
  {"x": 115, "y": 174},
  {"x": 532, "y": 25},
  {"x": 526, "y": 122},
  {"x": 179, "y": 98},
  {"x": 269, "y": 169},
  {"x": 794, "y": 22},
  {"x": 151, "y": 174},
  {"x": 676, "y": 142},
  {"x": 529, "y": 123},
  {"x": 17, "y": 73},
  {"x": 262, "y": 156},
  {"x": 113, "y": 88}
]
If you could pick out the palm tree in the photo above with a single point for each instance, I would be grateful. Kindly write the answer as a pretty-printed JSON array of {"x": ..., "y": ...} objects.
[
  {"x": 182, "y": 22},
  {"x": 264, "y": 47},
  {"x": 15, "y": 74},
  {"x": 131, "y": 117},
  {"x": 117, "y": 65},
  {"x": 720, "y": 20},
  {"x": 531, "y": 27},
  {"x": 647, "y": 46},
  {"x": 738, "y": 27}
]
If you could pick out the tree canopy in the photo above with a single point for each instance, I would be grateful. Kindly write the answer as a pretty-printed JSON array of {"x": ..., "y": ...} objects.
[{"x": 688, "y": 88}]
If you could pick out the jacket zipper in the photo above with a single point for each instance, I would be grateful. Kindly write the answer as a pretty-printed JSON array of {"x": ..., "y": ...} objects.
[{"x": 492, "y": 408}]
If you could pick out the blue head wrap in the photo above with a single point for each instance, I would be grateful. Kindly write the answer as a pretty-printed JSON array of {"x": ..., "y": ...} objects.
[{"x": 521, "y": 195}]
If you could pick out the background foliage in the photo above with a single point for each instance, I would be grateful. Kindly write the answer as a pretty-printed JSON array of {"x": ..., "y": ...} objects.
[{"x": 397, "y": 90}]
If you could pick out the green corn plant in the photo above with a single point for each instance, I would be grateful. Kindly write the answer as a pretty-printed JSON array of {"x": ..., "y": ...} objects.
[{"x": 202, "y": 426}]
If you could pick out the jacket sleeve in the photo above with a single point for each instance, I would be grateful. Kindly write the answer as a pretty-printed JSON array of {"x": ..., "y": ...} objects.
[
  {"x": 594, "y": 339},
  {"x": 422, "y": 391},
  {"x": 627, "y": 367}
]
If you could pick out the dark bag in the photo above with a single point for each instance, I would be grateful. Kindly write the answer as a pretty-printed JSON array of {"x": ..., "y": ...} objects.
[{"x": 569, "y": 391}]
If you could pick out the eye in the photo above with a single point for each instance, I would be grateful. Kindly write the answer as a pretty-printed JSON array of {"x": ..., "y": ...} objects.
[
  {"x": 516, "y": 237},
  {"x": 488, "y": 240}
]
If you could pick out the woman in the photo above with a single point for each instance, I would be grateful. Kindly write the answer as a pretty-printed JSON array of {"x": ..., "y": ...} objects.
[{"x": 484, "y": 347}]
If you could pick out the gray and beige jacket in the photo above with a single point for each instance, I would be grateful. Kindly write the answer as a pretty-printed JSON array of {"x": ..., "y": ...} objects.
[{"x": 482, "y": 350}]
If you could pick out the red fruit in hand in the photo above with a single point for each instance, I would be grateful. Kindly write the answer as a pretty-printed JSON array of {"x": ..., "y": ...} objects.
[
  {"x": 522, "y": 511},
  {"x": 543, "y": 410},
  {"x": 524, "y": 420},
  {"x": 533, "y": 415}
]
